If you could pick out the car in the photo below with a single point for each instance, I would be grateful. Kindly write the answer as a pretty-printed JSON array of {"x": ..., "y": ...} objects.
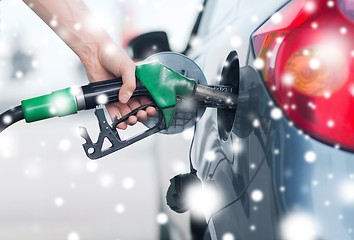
[{"x": 281, "y": 166}]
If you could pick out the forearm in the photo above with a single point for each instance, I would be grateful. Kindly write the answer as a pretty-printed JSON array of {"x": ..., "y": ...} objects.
[{"x": 74, "y": 23}]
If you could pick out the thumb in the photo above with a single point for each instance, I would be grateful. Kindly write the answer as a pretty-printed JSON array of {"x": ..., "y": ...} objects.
[
  {"x": 115, "y": 60},
  {"x": 129, "y": 82}
]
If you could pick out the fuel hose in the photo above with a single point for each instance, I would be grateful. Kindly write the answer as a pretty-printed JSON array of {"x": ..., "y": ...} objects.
[{"x": 10, "y": 117}]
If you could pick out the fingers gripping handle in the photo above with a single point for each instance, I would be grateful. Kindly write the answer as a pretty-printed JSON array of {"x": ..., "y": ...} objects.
[
  {"x": 110, "y": 133},
  {"x": 153, "y": 79},
  {"x": 105, "y": 92}
]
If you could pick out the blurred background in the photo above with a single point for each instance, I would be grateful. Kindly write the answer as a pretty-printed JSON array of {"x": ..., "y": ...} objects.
[{"x": 49, "y": 189}]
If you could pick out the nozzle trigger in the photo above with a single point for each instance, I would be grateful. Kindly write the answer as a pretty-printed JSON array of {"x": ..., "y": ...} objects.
[{"x": 110, "y": 133}]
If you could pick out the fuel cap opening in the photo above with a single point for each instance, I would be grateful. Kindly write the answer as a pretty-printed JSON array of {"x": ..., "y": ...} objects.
[{"x": 230, "y": 76}]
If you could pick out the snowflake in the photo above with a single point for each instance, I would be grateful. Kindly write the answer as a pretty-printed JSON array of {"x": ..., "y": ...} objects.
[
  {"x": 343, "y": 30},
  {"x": 236, "y": 42},
  {"x": 102, "y": 99},
  {"x": 92, "y": 166},
  {"x": 314, "y": 63},
  {"x": 254, "y": 18},
  {"x": 196, "y": 42},
  {"x": 257, "y": 195},
  {"x": 314, "y": 25},
  {"x": 315, "y": 183},
  {"x": 310, "y": 156},
  {"x": 346, "y": 192},
  {"x": 210, "y": 156},
  {"x": 7, "y": 119},
  {"x": 19, "y": 74},
  {"x": 330, "y": 123},
  {"x": 258, "y": 63},
  {"x": 162, "y": 218},
  {"x": 288, "y": 79},
  {"x": 310, "y": 6},
  {"x": 73, "y": 236},
  {"x": 106, "y": 180},
  {"x": 188, "y": 133},
  {"x": 228, "y": 236},
  {"x": 306, "y": 52},
  {"x": 252, "y": 165},
  {"x": 276, "y": 113},
  {"x": 276, "y": 18},
  {"x": 77, "y": 26},
  {"x": 178, "y": 166},
  {"x": 58, "y": 201},
  {"x": 311, "y": 105},
  {"x": 298, "y": 225},
  {"x": 200, "y": 7},
  {"x": 64, "y": 145},
  {"x": 351, "y": 89},
  {"x": 128, "y": 183},
  {"x": 228, "y": 28},
  {"x": 255, "y": 123},
  {"x": 34, "y": 64},
  {"x": 120, "y": 208},
  {"x": 327, "y": 94},
  {"x": 54, "y": 22},
  {"x": 330, "y": 4},
  {"x": 237, "y": 146},
  {"x": 33, "y": 171}
]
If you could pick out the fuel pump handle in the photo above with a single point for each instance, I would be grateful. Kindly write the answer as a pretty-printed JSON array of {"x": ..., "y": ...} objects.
[{"x": 108, "y": 92}]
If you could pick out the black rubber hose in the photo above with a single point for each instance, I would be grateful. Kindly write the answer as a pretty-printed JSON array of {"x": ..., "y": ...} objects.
[{"x": 10, "y": 117}]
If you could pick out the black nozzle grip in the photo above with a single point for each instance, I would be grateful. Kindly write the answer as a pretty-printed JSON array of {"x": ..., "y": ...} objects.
[{"x": 110, "y": 89}]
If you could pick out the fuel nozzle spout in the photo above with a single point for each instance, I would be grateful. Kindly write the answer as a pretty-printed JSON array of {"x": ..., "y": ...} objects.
[{"x": 216, "y": 96}]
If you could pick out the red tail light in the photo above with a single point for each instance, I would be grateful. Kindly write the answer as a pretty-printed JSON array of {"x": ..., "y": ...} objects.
[{"x": 308, "y": 53}]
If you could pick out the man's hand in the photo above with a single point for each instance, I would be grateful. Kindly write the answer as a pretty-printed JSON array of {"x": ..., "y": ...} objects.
[
  {"x": 112, "y": 61},
  {"x": 102, "y": 58}
]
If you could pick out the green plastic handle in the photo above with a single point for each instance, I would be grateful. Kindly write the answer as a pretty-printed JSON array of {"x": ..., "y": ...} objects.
[
  {"x": 164, "y": 85},
  {"x": 58, "y": 103}
]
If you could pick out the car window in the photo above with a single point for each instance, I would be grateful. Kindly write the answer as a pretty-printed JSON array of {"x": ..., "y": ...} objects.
[{"x": 217, "y": 12}]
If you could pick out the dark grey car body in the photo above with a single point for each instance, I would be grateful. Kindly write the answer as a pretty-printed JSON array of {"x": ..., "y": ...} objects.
[{"x": 262, "y": 153}]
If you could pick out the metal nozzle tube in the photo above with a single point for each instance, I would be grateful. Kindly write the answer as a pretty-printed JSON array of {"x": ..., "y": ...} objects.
[{"x": 221, "y": 96}]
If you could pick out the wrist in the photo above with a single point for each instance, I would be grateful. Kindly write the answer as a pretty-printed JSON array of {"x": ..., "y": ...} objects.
[{"x": 89, "y": 48}]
